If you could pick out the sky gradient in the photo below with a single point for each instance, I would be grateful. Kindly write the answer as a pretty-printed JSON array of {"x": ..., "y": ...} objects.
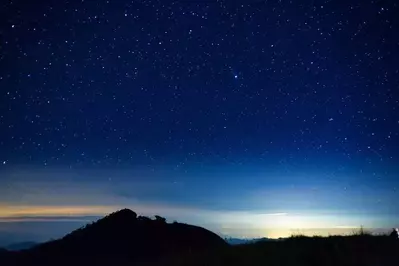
[{"x": 251, "y": 119}]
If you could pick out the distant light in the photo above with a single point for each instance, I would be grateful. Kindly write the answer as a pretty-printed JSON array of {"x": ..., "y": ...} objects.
[{"x": 236, "y": 76}]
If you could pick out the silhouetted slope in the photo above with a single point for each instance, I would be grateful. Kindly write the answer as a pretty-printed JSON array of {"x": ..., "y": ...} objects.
[
  {"x": 125, "y": 237},
  {"x": 4, "y": 255},
  {"x": 301, "y": 251}
]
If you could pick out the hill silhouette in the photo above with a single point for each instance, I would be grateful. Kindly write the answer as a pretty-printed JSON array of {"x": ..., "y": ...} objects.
[
  {"x": 118, "y": 238},
  {"x": 123, "y": 238}
]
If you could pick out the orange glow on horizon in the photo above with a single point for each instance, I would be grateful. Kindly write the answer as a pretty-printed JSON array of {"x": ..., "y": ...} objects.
[{"x": 7, "y": 211}]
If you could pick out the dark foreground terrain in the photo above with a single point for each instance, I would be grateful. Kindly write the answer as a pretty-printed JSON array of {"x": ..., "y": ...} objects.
[
  {"x": 122, "y": 238},
  {"x": 306, "y": 251}
]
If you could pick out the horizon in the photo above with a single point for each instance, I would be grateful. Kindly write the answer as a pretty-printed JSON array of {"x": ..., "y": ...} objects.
[{"x": 48, "y": 227}]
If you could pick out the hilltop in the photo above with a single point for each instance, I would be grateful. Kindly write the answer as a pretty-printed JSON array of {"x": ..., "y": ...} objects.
[{"x": 120, "y": 237}]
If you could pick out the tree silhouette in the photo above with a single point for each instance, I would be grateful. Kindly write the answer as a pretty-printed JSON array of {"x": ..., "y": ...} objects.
[{"x": 394, "y": 233}]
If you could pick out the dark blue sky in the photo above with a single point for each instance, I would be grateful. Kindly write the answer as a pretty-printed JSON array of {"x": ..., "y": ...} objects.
[{"x": 227, "y": 110}]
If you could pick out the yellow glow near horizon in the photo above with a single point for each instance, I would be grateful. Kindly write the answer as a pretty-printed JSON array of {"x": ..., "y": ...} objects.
[
  {"x": 231, "y": 223},
  {"x": 20, "y": 211}
]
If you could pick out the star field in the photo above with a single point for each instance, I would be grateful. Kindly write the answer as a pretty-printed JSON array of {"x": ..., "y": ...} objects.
[{"x": 226, "y": 98}]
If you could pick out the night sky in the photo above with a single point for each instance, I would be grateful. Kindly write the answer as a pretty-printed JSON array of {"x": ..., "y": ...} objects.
[{"x": 255, "y": 118}]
